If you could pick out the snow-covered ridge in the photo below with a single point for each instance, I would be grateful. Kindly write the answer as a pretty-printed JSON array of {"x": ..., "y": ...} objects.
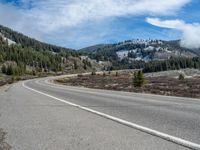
[
  {"x": 147, "y": 50},
  {"x": 141, "y": 41}
]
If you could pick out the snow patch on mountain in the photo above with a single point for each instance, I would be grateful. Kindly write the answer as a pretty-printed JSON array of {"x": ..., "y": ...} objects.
[
  {"x": 122, "y": 54},
  {"x": 147, "y": 50},
  {"x": 10, "y": 42}
]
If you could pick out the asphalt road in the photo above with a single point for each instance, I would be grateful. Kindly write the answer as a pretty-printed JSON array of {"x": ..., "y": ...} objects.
[{"x": 41, "y": 119}]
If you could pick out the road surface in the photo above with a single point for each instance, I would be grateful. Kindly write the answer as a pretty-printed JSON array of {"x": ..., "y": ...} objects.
[{"x": 40, "y": 115}]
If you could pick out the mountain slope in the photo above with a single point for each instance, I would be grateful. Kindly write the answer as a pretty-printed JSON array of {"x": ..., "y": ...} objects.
[
  {"x": 20, "y": 55},
  {"x": 145, "y": 50},
  {"x": 149, "y": 55},
  {"x": 26, "y": 41}
]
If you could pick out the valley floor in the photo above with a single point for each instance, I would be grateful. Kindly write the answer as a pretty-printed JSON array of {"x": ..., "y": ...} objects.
[{"x": 161, "y": 84}]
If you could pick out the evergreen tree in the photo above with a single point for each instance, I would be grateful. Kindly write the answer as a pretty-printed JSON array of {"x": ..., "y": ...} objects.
[
  {"x": 93, "y": 72},
  {"x": 85, "y": 66},
  {"x": 75, "y": 65},
  {"x": 1, "y": 58},
  {"x": 138, "y": 80}
]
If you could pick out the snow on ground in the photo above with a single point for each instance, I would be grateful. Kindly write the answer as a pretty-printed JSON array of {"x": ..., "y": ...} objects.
[
  {"x": 149, "y": 48},
  {"x": 122, "y": 54},
  {"x": 188, "y": 73},
  {"x": 10, "y": 42}
]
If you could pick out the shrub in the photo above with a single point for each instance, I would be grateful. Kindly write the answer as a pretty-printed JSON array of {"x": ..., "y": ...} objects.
[
  {"x": 116, "y": 74},
  {"x": 80, "y": 75},
  {"x": 93, "y": 73},
  {"x": 181, "y": 77},
  {"x": 104, "y": 74},
  {"x": 34, "y": 73},
  {"x": 13, "y": 69},
  {"x": 13, "y": 79},
  {"x": 4, "y": 69}
]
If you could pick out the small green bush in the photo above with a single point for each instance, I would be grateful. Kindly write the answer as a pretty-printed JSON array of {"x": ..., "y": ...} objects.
[{"x": 93, "y": 73}]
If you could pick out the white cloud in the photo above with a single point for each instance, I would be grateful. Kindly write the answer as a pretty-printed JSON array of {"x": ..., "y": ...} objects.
[
  {"x": 38, "y": 17},
  {"x": 54, "y": 14},
  {"x": 190, "y": 31}
]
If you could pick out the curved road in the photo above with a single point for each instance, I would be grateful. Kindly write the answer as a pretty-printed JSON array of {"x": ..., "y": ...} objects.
[{"x": 37, "y": 114}]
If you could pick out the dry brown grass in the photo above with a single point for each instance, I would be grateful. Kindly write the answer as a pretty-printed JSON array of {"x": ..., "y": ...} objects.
[{"x": 163, "y": 85}]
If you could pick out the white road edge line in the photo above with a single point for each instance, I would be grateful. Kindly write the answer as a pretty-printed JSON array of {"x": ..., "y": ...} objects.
[{"x": 164, "y": 136}]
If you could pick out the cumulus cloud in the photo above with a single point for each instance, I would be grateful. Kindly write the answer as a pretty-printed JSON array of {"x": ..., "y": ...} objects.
[
  {"x": 38, "y": 17},
  {"x": 190, "y": 31},
  {"x": 53, "y": 14}
]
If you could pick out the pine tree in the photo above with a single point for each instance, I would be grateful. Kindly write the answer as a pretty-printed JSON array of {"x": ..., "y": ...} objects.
[
  {"x": 135, "y": 82},
  {"x": 116, "y": 74},
  {"x": 85, "y": 66},
  {"x": 1, "y": 58},
  {"x": 75, "y": 65},
  {"x": 93, "y": 73},
  {"x": 138, "y": 80}
]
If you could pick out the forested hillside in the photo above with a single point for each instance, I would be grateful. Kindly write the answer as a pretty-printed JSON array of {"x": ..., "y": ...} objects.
[
  {"x": 175, "y": 63},
  {"x": 20, "y": 55},
  {"x": 26, "y": 41},
  {"x": 149, "y": 55},
  {"x": 139, "y": 49}
]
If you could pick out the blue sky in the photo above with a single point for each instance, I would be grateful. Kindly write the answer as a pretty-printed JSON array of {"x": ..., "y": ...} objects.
[{"x": 81, "y": 23}]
